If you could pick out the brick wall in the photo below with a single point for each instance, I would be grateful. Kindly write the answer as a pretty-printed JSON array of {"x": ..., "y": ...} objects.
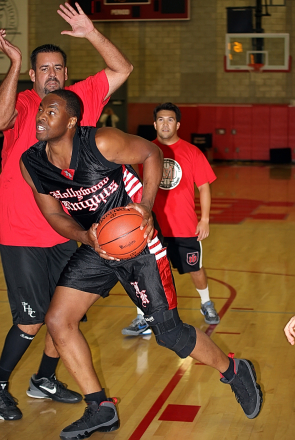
[{"x": 178, "y": 61}]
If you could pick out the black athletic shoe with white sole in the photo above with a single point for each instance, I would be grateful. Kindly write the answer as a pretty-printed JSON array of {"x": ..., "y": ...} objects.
[
  {"x": 52, "y": 388},
  {"x": 247, "y": 391},
  {"x": 102, "y": 418},
  {"x": 8, "y": 405}
]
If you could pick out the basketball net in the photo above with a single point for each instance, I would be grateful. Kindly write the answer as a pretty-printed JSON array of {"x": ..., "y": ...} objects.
[{"x": 255, "y": 68}]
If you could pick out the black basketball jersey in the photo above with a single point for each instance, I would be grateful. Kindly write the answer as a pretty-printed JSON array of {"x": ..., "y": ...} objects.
[{"x": 91, "y": 186}]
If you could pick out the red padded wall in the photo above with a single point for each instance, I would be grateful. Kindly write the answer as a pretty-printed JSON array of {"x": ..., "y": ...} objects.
[{"x": 249, "y": 131}]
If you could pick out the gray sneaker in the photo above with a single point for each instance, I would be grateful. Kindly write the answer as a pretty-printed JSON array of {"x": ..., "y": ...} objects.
[
  {"x": 52, "y": 388},
  {"x": 138, "y": 327},
  {"x": 208, "y": 310}
]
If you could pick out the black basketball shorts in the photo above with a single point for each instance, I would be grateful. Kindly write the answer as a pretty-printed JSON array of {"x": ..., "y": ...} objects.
[
  {"x": 31, "y": 275},
  {"x": 147, "y": 278},
  {"x": 184, "y": 253}
]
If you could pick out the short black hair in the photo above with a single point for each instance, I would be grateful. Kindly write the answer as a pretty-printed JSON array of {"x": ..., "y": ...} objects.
[
  {"x": 73, "y": 106},
  {"x": 168, "y": 106},
  {"x": 46, "y": 48}
]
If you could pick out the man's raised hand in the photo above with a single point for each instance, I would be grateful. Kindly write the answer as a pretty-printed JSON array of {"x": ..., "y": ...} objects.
[
  {"x": 81, "y": 24},
  {"x": 13, "y": 52}
]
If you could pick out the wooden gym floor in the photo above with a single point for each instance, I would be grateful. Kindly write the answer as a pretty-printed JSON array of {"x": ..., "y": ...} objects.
[{"x": 250, "y": 263}]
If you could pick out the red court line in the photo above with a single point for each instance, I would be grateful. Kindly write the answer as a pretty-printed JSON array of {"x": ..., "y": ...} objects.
[
  {"x": 252, "y": 271},
  {"x": 151, "y": 414}
]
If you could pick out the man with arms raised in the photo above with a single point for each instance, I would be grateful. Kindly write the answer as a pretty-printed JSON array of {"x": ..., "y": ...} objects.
[{"x": 33, "y": 254}]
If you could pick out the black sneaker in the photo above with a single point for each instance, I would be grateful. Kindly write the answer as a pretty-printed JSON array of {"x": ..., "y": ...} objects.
[
  {"x": 247, "y": 391},
  {"x": 52, "y": 388},
  {"x": 102, "y": 418},
  {"x": 8, "y": 405}
]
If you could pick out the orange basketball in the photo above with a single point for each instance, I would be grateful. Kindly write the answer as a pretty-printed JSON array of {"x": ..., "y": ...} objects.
[{"x": 119, "y": 233}]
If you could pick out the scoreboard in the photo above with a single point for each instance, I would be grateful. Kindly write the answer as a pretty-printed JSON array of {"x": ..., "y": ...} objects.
[{"x": 135, "y": 10}]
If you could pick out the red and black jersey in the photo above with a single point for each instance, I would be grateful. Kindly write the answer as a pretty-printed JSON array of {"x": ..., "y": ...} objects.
[{"x": 91, "y": 186}]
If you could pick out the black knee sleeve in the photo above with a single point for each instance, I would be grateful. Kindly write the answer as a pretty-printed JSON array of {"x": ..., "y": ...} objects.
[
  {"x": 171, "y": 332},
  {"x": 16, "y": 343}
]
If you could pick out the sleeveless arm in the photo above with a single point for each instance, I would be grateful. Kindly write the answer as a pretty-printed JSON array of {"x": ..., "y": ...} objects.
[
  {"x": 120, "y": 148},
  {"x": 60, "y": 221}
]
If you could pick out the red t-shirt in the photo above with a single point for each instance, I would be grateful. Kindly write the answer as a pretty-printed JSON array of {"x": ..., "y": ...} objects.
[
  {"x": 21, "y": 222},
  {"x": 184, "y": 165}
]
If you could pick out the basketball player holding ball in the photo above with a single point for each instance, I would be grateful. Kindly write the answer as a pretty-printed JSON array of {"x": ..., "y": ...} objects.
[
  {"x": 32, "y": 253},
  {"x": 83, "y": 169}
]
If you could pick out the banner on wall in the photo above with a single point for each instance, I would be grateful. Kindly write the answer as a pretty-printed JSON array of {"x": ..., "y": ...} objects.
[
  {"x": 14, "y": 19},
  {"x": 135, "y": 10}
]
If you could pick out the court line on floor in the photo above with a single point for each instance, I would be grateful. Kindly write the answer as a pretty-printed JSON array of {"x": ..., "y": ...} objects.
[
  {"x": 252, "y": 271},
  {"x": 178, "y": 296},
  {"x": 262, "y": 311},
  {"x": 163, "y": 397}
]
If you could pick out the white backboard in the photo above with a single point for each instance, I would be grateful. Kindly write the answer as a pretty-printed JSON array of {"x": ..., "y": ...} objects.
[{"x": 271, "y": 50}]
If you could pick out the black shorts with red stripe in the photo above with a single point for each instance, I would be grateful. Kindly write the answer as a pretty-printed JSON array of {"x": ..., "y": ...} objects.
[
  {"x": 147, "y": 278},
  {"x": 185, "y": 253}
]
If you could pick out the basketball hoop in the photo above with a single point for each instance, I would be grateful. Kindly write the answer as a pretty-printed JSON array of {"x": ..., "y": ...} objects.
[{"x": 255, "y": 68}]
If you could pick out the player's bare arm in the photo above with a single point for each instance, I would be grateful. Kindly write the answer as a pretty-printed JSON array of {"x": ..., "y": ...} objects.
[
  {"x": 205, "y": 202},
  {"x": 8, "y": 87},
  {"x": 60, "y": 221},
  {"x": 118, "y": 67},
  {"x": 119, "y": 147},
  {"x": 290, "y": 331}
]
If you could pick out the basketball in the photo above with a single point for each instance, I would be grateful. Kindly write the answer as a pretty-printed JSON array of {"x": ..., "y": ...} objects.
[{"x": 119, "y": 233}]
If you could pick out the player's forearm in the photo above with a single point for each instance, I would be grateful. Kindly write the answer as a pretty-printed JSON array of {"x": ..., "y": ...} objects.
[
  {"x": 205, "y": 202},
  {"x": 8, "y": 91},
  {"x": 67, "y": 227},
  {"x": 149, "y": 194},
  {"x": 112, "y": 56},
  {"x": 152, "y": 176},
  {"x": 116, "y": 62}
]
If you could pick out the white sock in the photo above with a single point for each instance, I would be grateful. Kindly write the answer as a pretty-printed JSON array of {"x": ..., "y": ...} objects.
[
  {"x": 204, "y": 294},
  {"x": 139, "y": 312}
]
